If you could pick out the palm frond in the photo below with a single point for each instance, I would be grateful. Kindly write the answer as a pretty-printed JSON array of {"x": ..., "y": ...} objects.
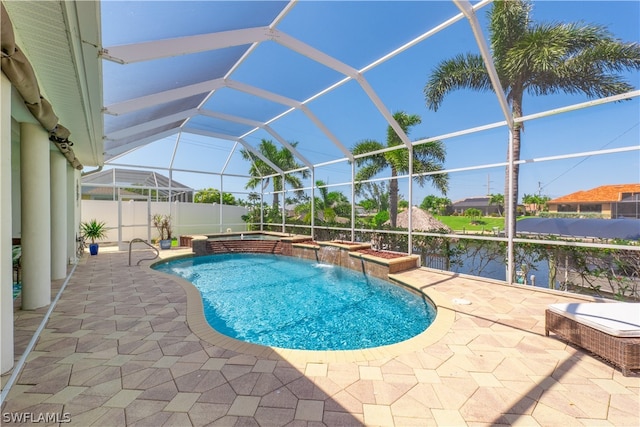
[
  {"x": 430, "y": 150},
  {"x": 571, "y": 58},
  {"x": 612, "y": 56},
  {"x": 252, "y": 183},
  {"x": 405, "y": 121},
  {"x": 283, "y": 158},
  {"x": 461, "y": 72},
  {"x": 366, "y": 146},
  {"x": 368, "y": 172},
  {"x": 294, "y": 182},
  {"x": 439, "y": 181},
  {"x": 508, "y": 21},
  {"x": 376, "y": 161},
  {"x": 324, "y": 191}
]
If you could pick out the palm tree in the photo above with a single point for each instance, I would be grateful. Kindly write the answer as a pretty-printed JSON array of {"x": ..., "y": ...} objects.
[
  {"x": 330, "y": 203},
  {"x": 539, "y": 59},
  {"x": 536, "y": 200},
  {"x": 428, "y": 157},
  {"x": 283, "y": 158},
  {"x": 498, "y": 200}
]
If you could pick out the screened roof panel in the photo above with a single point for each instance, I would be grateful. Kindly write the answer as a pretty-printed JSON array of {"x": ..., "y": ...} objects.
[
  {"x": 139, "y": 139},
  {"x": 126, "y": 81},
  {"x": 241, "y": 104},
  {"x": 292, "y": 74},
  {"x": 154, "y": 154},
  {"x": 298, "y": 51},
  {"x": 215, "y": 125},
  {"x": 345, "y": 105},
  {"x": 314, "y": 144},
  {"x": 114, "y": 123},
  {"x": 213, "y": 154},
  {"x": 353, "y": 24},
  {"x": 139, "y": 60},
  {"x": 155, "y": 20}
]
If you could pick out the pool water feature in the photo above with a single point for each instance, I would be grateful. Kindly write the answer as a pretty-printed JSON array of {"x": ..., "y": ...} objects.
[
  {"x": 298, "y": 304},
  {"x": 243, "y": 236},
  {"x": 329, "y": 255}
]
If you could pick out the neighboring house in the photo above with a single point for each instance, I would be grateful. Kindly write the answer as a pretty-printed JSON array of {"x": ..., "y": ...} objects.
[
  {"x": 608, "y": 201},
  {"x": 360, "y": 211},
  {"x": 104, "y": 193},
  {"x": 481, "y": 202},
  {"x": 108, "y": 184}
]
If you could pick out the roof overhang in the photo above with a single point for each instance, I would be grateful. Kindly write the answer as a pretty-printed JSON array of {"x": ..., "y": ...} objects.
[{"x": 67, "y": 67}]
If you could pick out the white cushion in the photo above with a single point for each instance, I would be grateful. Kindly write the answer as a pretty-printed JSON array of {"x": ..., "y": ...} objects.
[{"x": 620, "y": 319}]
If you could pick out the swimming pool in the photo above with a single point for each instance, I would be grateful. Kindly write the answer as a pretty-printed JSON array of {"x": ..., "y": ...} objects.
[{"x": 291, "y": 303}]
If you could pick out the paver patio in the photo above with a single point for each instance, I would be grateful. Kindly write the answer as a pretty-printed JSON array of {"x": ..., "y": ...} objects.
[{"x": 118, "y": 350}]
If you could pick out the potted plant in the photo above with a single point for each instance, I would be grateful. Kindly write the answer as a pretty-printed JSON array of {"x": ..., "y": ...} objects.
[
  {"x": 163, "y": 224},
  {"x": 94, "y": 230}
]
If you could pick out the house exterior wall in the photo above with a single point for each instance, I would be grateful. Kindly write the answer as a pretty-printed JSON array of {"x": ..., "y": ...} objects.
[
  {"x": 605, "y": 210},
  {"x": 486, "y": 210},
  {"x": 626, "y": 209}
]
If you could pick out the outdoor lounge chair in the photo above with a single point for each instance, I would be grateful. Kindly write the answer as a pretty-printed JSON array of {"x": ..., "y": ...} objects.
[{"x": 608, "y": 330}]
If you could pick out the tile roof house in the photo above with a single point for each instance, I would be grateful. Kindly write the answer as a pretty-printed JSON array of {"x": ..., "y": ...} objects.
[{"x": 608, "y": 201}]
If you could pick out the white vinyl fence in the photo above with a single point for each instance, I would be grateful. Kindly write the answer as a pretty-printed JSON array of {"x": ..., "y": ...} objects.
[{"x": 131, "y": 219}]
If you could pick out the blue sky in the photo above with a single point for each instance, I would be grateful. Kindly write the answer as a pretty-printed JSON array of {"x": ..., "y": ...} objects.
[{"x": 358, "y": 33}]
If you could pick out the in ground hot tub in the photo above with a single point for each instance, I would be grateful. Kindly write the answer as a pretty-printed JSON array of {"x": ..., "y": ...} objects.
[
  {"x": 246, "y": 236},
  {"x": 250, "y": 241}
]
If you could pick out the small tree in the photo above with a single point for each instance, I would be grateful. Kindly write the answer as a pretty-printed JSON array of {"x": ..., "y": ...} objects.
[
  {"x": 435, "y": 204},
  {"x": 473, "y": 213},
  {"x": 212, "y": 195},
  {"x": 376, "y": 196},
  {"x": 379, "y": 219},
  {"x": 163, "y": 224}
]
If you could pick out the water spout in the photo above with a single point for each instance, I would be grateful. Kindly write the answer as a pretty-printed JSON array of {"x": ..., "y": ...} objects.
[{"x": 329, "y": 255}]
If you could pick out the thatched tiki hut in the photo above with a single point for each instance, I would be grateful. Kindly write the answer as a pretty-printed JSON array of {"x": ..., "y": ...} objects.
[
  {"x": 421, "y": 220},
  {"x": 434, "y": 251}
]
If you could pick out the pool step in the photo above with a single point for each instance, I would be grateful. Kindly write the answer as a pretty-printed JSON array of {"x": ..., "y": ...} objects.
[{"x": 252, "y": 246}]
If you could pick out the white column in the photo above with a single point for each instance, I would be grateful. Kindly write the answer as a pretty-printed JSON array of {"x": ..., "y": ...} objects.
[
  {"x": 6, "y": 270},
  {"x": 36, "y": 216},
  {"x": 73, "y": 212},
  {"x": 58, "y": 164}
]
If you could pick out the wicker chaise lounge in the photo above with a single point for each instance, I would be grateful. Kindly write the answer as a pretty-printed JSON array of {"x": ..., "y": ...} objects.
[{"x": 608, "y": 330}]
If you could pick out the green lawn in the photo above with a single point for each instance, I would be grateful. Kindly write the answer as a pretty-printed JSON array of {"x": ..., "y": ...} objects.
[{"x": 459, "y": 223}]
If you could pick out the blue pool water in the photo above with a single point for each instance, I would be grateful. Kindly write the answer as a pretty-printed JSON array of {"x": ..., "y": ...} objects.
[{"x": 298, "y": 304}]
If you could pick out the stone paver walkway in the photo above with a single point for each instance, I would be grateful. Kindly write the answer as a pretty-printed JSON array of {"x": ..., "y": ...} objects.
[{"x": 118, "y": 350}]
